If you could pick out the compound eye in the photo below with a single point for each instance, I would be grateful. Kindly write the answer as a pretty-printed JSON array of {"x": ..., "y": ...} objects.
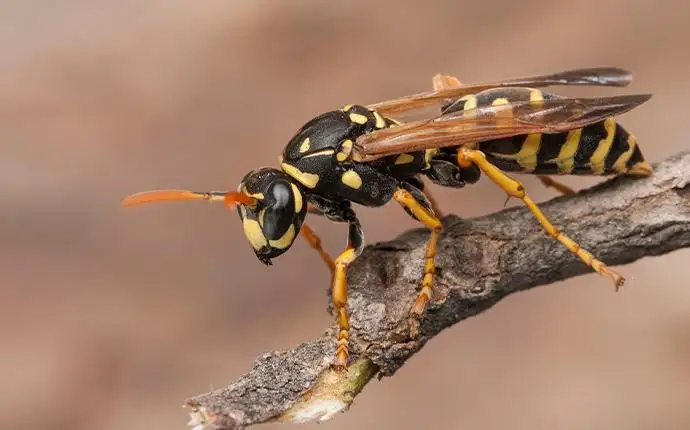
[{"x": 280, "y": 210}]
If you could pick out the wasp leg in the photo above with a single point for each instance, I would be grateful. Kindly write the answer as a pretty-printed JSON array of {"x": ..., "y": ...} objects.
[
  {"x": 417, "y": 182},
  {"x": 549, "y": 182},
  {"x": 467, "y": 157},
  {"x": 355, "y": 244},
  {"x": 341, "y": 211},
  {"x": 416, "y": 205},
  {"x": 315, "y": 242}
]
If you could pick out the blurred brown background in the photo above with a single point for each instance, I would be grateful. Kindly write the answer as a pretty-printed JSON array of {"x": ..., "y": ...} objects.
[{"x": 109, "y": 319}]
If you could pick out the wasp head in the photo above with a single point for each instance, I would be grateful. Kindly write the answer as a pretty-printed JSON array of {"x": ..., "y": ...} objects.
[
  {"x": 270, "y": 203},
  {"x": 272, "y": 223}
]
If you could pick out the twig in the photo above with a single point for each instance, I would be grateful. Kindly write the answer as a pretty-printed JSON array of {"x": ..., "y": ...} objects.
[{"x": 480, "y": 261}]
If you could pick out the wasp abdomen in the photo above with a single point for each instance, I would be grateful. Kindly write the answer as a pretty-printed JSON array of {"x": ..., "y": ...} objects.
[{"x": 603, "y": 148}]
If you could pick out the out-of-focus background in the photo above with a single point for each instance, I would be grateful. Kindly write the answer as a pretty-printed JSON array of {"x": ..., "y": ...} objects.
[{"x": 111, "y": 318}]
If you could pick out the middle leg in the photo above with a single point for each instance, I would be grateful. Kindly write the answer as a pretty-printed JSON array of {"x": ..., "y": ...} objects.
[{"x": 416, "y": 205}]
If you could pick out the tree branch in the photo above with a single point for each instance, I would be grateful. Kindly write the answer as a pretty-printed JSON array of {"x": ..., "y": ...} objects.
[{"x": 480, "y": 261}]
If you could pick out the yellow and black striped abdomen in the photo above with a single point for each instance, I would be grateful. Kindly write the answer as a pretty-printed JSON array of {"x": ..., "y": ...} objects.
[{"x": 603, "y": 148}]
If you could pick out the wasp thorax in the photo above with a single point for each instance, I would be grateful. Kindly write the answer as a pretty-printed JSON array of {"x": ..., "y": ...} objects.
[{"x": 271, "y": 225}]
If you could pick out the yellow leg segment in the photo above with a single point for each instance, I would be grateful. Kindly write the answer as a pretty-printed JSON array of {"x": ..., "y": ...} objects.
[
  {"x": 467, "y": 157},
  {"x": 315, "y": 242},
  {"x": 549, "y": 182},
  {"x": 340, "y": 306},
  {"x": 406, "y": 199}
]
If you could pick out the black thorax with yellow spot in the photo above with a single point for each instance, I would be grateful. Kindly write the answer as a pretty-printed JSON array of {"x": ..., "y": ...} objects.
[{"x": 319, "y": 158}]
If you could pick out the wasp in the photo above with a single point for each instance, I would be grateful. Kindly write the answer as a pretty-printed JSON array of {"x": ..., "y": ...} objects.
[{"x": 371, "y": 154}]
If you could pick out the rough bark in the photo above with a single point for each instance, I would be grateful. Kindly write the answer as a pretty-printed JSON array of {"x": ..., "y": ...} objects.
[{"x": 480, "y": 261}]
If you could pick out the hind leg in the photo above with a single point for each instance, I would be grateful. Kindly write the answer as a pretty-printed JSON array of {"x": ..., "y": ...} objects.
[
  {"x": 514, "y": 188},
  {"x": 549, "y": 182}
]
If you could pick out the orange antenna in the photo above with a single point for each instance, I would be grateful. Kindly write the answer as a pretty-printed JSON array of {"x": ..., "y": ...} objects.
[{"x": 230, "y": 198}]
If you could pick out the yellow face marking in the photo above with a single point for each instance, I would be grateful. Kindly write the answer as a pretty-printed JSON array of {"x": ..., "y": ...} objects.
[
  {"x": 285, "y": 240},
  {"x": 566, "y": 156},
  {"x": 307, "y": 179},
  {"x": 621, "y": 163},
  {"x": 320, "y": 153},
  {"x": 358, "y": 118},
  {"x": 298, "y": 197},
  {"x": 500, "y": 101},
  {"x": 351, "y": 179},
  {"x": 304, "y": 147},
  {"x": 527, "y": 156},
  {"x": 380, "y": 122},
  {"x": 252, "y": 230},
  {"x": 536, "y": 96},
  {"x": 404, "y": 159},
  {"x": 346, "y": 108},
  {"x": 598, "y": 159},
  {"x": 345, "y": 150}
]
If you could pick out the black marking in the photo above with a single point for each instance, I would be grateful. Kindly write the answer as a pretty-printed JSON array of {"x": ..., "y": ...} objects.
[
  {"x": 618, "y": 148},
  {"x": 635, "y": 158}
]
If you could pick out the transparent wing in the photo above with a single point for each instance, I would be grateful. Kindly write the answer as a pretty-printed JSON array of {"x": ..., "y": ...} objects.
[
  {"x": 599, "y": 76},
  {"x": 493, "y": 122}
]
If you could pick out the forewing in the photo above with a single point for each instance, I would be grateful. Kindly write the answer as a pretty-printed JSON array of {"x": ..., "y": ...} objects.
[
  {"x": 493, "y": 122},
  {"x": 599, "y": 76}
]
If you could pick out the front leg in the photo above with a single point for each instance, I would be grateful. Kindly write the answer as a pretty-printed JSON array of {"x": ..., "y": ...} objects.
[
  {"x": 342, "y": 212},
  {"x": 355, "y": 244}
]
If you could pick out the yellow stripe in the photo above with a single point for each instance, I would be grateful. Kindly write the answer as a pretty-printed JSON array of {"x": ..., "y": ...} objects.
[
  {"x": 566, "y": 156},
  {"x": 528, "y": 152},
  {"x": 404, "y": 159},
  {"x": 358, "y": 118},
  {"x": 428, "y": 155},
  {"x": 499, "y": 101},
  {"x": 621, "y": 164},
  {"x": 598, "y": 158},
  {"x": 307, "y": 179},
  {"x": 320, "y": 153},
  {"x": 306, "y": 144},
  {"x": 380, "y": 123},
  {"x": 470, "y": 102},
  {"x": 536, "y": 96},
  {"x": 527, "y": 156}
]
